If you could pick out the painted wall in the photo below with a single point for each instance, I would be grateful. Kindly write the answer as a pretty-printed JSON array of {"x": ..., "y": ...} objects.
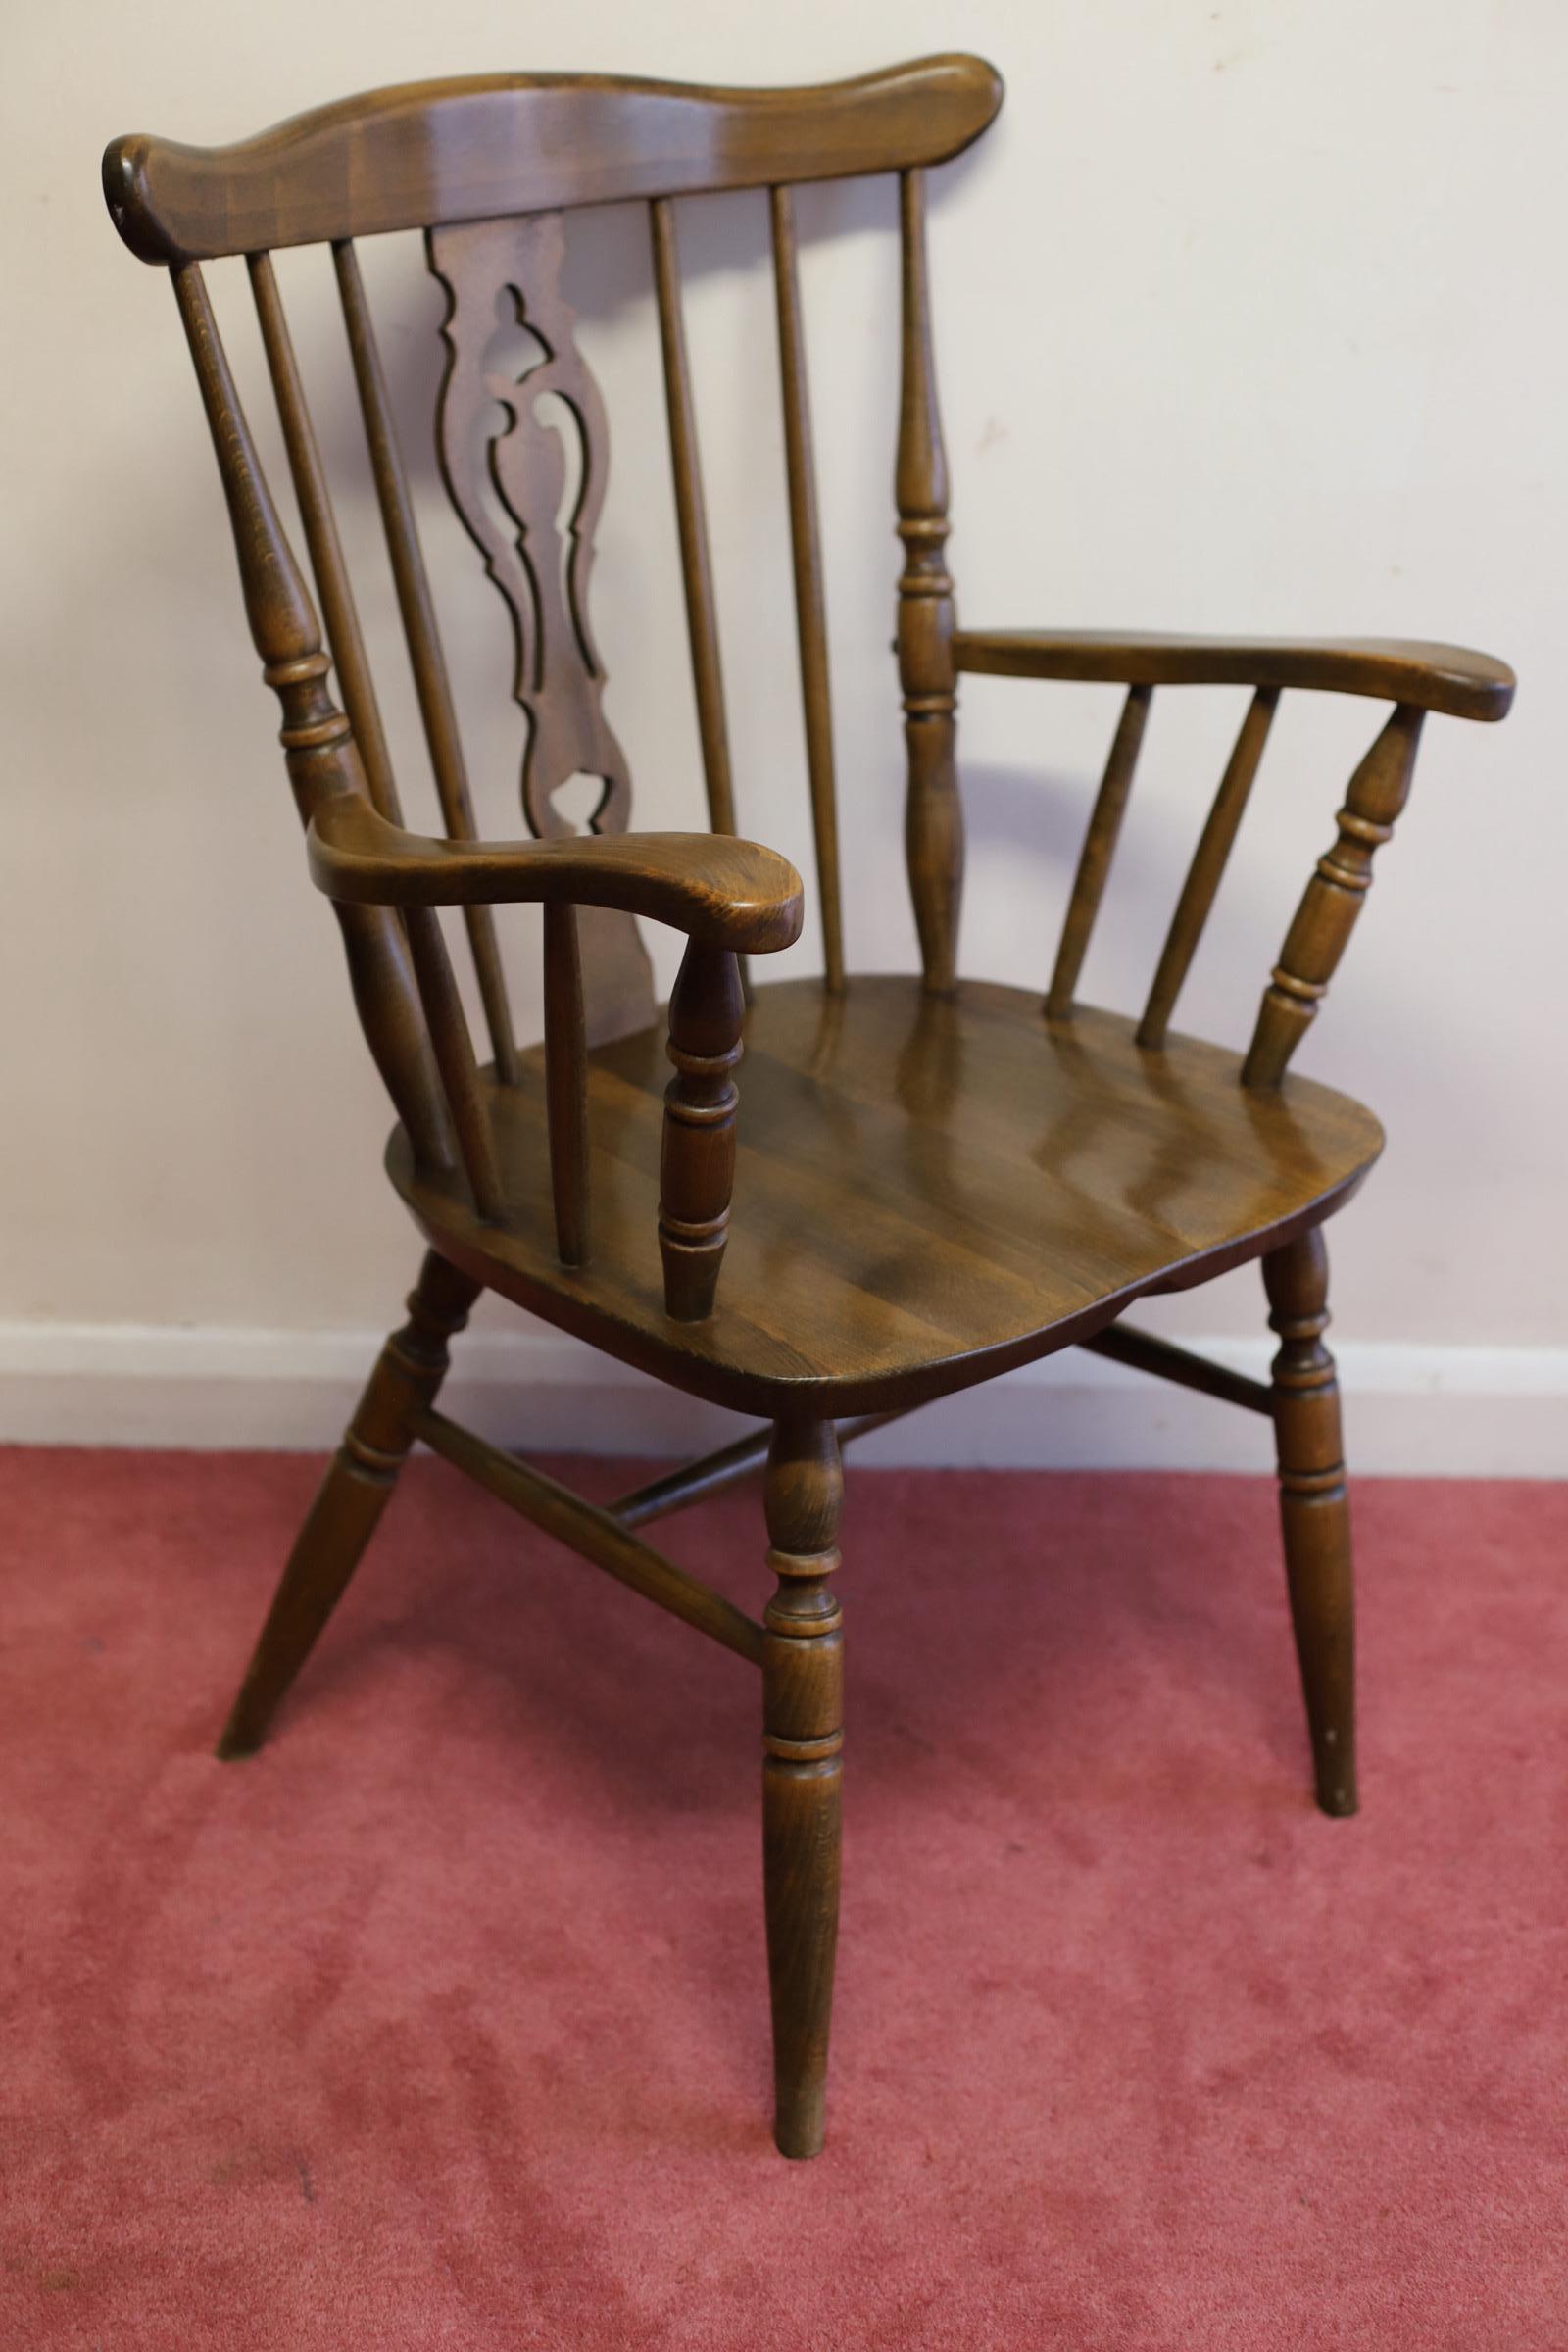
[{"x": 1249, "y": 319}]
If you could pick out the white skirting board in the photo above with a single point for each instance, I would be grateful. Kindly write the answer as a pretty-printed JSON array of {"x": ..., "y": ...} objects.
[{"x": 1413, "y": 1411}]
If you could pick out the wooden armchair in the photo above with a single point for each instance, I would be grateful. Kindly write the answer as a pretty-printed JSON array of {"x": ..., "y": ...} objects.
[{"x": 938, "y": 1179}]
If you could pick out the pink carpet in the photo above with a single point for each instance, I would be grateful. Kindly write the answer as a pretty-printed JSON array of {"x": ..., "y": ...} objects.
[{"x": 442, "y": 2023}]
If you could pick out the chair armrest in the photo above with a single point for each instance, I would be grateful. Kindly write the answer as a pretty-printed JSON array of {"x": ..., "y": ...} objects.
[
  {"x": 722, "y": 893},
  {"x": 729, "y": 897},
  {"x": 1430, "y": 677}
]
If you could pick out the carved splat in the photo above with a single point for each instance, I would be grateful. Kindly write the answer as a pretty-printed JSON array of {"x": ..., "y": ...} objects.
[{"x": 508, "y": 462}]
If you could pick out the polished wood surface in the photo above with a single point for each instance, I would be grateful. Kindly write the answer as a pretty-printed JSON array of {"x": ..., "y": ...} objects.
[
  {"x": 1207, "y": 869},
  {"x": 727, "y": 894},
  {"x": 421, "y": 632},
  {"x": 1100, "y": 836},
  {"x": 1141, "y": 1352},
  {"x": 697, "y": 1152},
  {"x": 353, "y": 1493},
  {"x": 1332, "y": 900},
  {"x": 802, "y": 1769},
  {"x": 1314, "y": 1510},
  {"x": 691, "y": 514},
  {"x": 497, "y": 144},
  {"x": 538, "y": 554},
  {"x": 810, "y": 611},
  {"x": 566, "y": 1082},
  {"x": 854, "y": 1195},
  {"x": 715, "y": 1473},
  {"x": 318, "y": 748},
  {"x": 927, "y": 1191},
  {"x": 596, "y": 1536},
  {"x": 933, "y": 814},
  {"x": 448, "y": 1027},
  {"x": 508, "y": 481},
  {"x": 349, "y": 660},
  {"x": 1433, "y": 677}
]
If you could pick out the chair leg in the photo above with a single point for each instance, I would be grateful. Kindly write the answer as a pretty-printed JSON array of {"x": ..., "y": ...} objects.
[
  {"x": 351, "y": 1498},
  {"x": 1314, "y": 1511},
  {"x": 803, "y": 1739}
]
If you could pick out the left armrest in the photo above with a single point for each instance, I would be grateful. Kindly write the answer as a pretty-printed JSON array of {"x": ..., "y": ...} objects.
[
  {"x": 729, "y": 897},
  {"x": 1429, "y": 677},
  {"x": 722, "y": 893}
]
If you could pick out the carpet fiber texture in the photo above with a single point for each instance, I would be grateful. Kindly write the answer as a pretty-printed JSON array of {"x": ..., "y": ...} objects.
[{"x": 442, "y": 2023}]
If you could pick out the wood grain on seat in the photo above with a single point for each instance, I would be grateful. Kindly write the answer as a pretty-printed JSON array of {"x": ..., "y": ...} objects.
[{"x": 927, "y": 1190}]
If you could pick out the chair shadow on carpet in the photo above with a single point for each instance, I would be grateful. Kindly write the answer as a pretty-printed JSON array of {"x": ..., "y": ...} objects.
[
  {"x": 1113, "y": 1639},
  {"x": 1044, "y": 1670}
]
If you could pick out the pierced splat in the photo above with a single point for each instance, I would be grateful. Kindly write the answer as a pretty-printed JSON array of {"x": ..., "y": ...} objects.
[{"x": 525, "y": 454}]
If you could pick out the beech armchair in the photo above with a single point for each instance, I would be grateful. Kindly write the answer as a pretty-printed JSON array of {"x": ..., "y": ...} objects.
[{"x": 934, "y": 1178}]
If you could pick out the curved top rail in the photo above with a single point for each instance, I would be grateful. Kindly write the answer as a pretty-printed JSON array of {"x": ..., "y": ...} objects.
[{"x": 486, "y": 145}]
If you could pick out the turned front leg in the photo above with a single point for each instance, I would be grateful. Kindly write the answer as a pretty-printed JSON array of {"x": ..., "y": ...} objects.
[
  {"x": 697, "y": 1167},
  {"x": 803, "y": 1739},
  {"x": 1315, "y": 1511}
]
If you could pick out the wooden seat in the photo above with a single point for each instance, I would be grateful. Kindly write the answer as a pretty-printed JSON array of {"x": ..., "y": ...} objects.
[
  {"x": 866, "y": 1192},
  {"x": 928, "y": 1191}
]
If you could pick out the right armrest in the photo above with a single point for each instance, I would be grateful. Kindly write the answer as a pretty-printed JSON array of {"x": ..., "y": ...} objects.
[
  {"x": 722, "y": 893},
  {"x": 1430, "y": 677}
]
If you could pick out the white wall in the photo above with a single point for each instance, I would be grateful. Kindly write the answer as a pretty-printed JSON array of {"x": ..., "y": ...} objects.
[{"x": 1249, "y": 318}]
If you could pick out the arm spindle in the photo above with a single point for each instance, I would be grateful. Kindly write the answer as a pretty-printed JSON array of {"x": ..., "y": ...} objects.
[
  {"x": 697, "y": 1168},
  {"x": 1326, "y": 918},
  {"x": 933, "y": 813},
  {"x": 1100, "y": 846},
  {"x": 1204, "y": 874}
]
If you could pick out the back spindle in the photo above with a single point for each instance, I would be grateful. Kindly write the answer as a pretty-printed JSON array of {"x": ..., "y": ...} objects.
[
  {"x": 1099, "y": 847},
  {"x": 319, "y": 747},
  {"x": 811, "y": 612},
  {"x": 691, "y": 519},
  {"x": 323, "y": 541},
  {"x": 420, "y": 631},
  {"x": 1205, "y": 873},
  {"x": 1321, "y": 931},
  {"x": 691, "y": 515},
  {"x": 933, "y": 821}
]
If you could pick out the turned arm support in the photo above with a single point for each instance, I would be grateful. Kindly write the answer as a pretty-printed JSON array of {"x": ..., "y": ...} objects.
[{"x": 1429, "y": 677}]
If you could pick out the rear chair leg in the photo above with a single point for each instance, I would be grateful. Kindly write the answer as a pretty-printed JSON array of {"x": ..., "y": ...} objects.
[
  {"x": 803, "y": 1738},
  {"x": 1314, "y": 1510},
  {"x": 352, "y": 1498}
]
